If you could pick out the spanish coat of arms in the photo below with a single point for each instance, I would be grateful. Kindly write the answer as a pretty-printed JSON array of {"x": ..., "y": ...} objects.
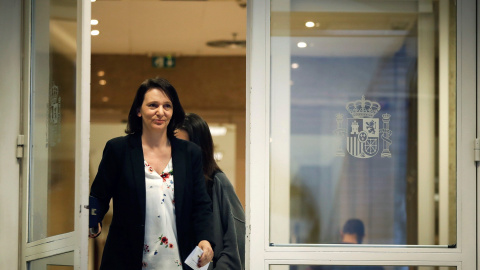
[{"x": 362, "y": 134}]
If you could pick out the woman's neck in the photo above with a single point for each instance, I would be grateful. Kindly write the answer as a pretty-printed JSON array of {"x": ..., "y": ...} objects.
[{"x": 155, "y": 140}]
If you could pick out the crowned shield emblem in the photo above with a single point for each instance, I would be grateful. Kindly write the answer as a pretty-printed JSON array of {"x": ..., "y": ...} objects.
[
  {"x": 362, "y": 137},
  {"x": 363, "y": 134}
]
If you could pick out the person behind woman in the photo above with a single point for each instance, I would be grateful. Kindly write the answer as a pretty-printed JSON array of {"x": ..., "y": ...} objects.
[
  {"x": 161, "y": 209},
  {"x": 228, "y": 213}
]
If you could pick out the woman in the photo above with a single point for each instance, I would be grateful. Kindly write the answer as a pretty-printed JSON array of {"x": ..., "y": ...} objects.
[
  {"x": 228, "y": 214},
  {"x": 161, "y": 209}
]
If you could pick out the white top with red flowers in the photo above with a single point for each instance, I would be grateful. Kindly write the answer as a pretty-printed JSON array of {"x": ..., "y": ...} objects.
[{"x": 160, "y": 249}]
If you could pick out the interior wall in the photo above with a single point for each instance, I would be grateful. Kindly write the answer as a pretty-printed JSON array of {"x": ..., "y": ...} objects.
[
  {"x": 213, "y": 87},
  {"x": 10, "y": 88}
]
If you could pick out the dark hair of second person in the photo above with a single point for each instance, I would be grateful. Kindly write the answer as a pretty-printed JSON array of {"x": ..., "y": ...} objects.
[
  {"x": 134, "y": 124},
  {"x": 228, "y": 213},
  {"x": 199, "y": 133}
]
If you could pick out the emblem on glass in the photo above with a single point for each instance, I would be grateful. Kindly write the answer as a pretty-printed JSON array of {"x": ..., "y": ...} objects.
[
  {"x": 362, "y": 135},
  {"x": 55, "y": 116}
]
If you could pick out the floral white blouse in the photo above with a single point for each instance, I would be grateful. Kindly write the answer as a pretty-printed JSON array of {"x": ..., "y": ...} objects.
[{"x": 160, "y": 248}]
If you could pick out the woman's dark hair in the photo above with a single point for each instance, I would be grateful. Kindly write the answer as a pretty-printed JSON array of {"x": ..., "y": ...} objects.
[
  {"x": 199, "y": 133},
  {"x": 134, "y": 124}
]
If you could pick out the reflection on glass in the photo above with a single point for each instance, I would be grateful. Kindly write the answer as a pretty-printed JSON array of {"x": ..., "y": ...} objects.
[
  {"x": 52, "y": 126},
  {"x": 62, "y": 261},
  {"x": 358, "y": 120},
  {"x": 59, "y": 267},
  {"x": 358, "y": 267}
]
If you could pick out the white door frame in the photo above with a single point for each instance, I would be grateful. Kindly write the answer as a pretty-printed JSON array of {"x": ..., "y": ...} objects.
[
  {"x": 76, "y": 241},
  {"x": 260, "y": 255}
]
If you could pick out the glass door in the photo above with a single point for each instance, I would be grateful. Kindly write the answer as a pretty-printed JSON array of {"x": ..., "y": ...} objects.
[
  {"x": 362, "y": 126},
  {"x": 56, "y": 124}
]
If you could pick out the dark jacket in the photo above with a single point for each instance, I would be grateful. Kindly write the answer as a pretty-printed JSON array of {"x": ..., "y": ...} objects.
[
  {"x": 229, "y": 226},
  {"x": 121, "y": 177}
]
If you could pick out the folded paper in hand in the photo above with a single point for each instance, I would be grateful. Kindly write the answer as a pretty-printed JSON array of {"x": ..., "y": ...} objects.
[{"x": 192, "y": 259}]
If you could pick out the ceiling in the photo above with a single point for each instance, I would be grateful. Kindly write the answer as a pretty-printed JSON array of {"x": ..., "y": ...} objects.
[
  {"x": 177, "y": 28},
  {"x": 183, "y": 28}
]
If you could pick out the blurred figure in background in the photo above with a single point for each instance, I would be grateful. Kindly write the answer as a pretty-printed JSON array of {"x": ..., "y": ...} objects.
[{"x": 353, "y": 231}]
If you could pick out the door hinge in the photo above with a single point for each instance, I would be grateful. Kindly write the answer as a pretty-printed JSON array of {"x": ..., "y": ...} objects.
[
  {"x": 20, "y": 144},
  {"x": 476, "y": 149}
]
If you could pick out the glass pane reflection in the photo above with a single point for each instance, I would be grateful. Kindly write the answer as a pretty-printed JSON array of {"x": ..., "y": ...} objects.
[
  {"x": 62, "y": 261},
  {"x": 59, "y": 267},
  {"x": 355, "y": 122},
  {"x": 358, "y": 267},
  {"x": 52, "y": 126}
]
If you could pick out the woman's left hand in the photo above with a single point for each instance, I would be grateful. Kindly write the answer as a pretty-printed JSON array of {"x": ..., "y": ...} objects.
[{"x": 207, "y": 255}]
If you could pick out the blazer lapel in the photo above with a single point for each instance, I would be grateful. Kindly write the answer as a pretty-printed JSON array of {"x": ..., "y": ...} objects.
[
  {"x": 139, "y": 172},
  {"x": 179, "y": 174}
]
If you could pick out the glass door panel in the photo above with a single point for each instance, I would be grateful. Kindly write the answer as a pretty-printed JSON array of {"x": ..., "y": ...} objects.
[
  {"x": 58, "y": 262},
  {"x": 57, "y": 102},
  {"x": 53, "y": 118},
  {"x": 358, "y": 267},
  {"x": 362, "y": 123}
]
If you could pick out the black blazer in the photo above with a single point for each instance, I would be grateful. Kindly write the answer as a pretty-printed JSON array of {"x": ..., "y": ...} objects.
[{"x": 121, "y": 177}]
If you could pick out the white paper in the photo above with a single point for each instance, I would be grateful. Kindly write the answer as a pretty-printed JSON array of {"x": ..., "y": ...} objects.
[{"x": 192, "y": 259}]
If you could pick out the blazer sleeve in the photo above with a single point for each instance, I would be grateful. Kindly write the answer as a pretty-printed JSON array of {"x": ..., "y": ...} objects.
[
  {"x": 232, "y": 256},
  {"x": 103, "y": 185}
]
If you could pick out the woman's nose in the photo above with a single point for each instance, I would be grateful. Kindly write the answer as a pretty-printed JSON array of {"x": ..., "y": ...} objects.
[{"x": 159, "y": 111}]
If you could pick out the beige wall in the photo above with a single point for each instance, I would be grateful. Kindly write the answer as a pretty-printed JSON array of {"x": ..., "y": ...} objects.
[
  {"x": 10, "y": 109},
  {"x": 213, "y": 87}
]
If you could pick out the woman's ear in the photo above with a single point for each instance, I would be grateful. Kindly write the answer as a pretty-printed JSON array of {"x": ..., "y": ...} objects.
[{"x": 138, "y": 113}]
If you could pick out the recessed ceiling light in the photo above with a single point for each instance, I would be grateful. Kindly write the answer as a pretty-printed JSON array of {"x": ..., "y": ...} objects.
[
  {"x": 95, "y": 32},
  {"x": 101, "y": 73},
  {"x": 309, "y": 24},
  {"x": 102, "y": 82},
  {"x": 105, "y": 99},
  {"x": 93, "y": 22},
  {"x": 94, "y": 0},
  {"x": 301, "y": 44},
  {"x": 295, "y": 65}
]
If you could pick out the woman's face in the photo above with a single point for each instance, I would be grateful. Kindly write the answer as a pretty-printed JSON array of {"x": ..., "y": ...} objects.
[
  {"x": 156, "y": 111},
  {"x": 182, "y": 134}
]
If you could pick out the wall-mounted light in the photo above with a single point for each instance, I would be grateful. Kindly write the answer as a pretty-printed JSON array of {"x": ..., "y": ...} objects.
[
  {"x": 93, "y": 22},
  {"x": 218, "y": 156},
  {"x": 301, "y": 44},
  {"x": 218, "y": 131},
  {"x": 101, "y": 73},
  {"x": 102, "y": 82},
  {"x": 309, "y": 24},
  {"x": 105, "y": 99},
  {"x": 95, "y": 32},
  {"x": 295, "y": 65}
]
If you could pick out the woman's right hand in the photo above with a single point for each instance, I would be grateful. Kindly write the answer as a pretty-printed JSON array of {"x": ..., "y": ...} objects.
[
  {"x": 92, "y": 234},
  {"x": 207, "y": 254}
]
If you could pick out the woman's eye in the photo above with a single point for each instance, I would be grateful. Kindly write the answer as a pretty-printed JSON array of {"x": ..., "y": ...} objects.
[{"x": 167, "y": 106}]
